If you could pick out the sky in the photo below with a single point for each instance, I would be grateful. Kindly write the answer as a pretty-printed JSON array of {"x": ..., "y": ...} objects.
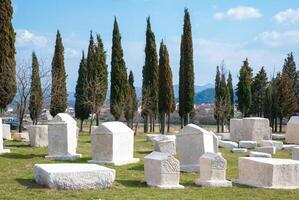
[{"x": 224, "y": 31}]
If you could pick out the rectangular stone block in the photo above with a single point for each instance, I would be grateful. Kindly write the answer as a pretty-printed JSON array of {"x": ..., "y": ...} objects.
[
  {"x": 6, "y": 132},
  {"x": 269, "y": 173},
  {"x": 38, "y": 135},
  {"x": 292, "y": 133},
  {"x": 74, "y": 176}
]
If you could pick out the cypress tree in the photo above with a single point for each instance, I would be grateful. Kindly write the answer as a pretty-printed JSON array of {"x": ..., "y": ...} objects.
[
  {"x": 258, "y": 90},
  {"x": 268, "y": 103},
  {"x": 150, "y": 78},
  {"x": 165, "y": 86},
  {"x": 231, "y": 94},
  {"x": 217, "y": 98},
  {"x": 36, "y": 94},
  {"x": 244, "y": 88},
  {"x": 7, "y": 55},
  {"x": 288, "y": 100},
  {"x": 58, "y": 90},
  {"x": 224, "y": 100},
  {"x": 186, "y": 85},
  {"x": 118, "y": 75},
  {"x": 131, "y": 104},
  {"x": 81, "y": 108},
  {"x": 289, "y": 68}
]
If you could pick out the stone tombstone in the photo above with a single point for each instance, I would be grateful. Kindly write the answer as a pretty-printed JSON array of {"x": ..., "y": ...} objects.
[
  {"x": 250, "y": 128},
  {"x": 62, "y": 138},
  {"x": 6, "y": 132},
  {"x": 162, "y": 170},
  {"x": 113, "y": 142},
  {"x": 212, "y": 171},
  {"x": 269, "y": 173},
  {"x": 2, "y": 150},
  {"x": 165, "y": 144},
  {"x": 38, "y": 135},
  {"x": 295, "y": 153},
  {"x": 192, "y": 142},
  {"x": 292, "y": 132},
  {"x": 74, "y": 176}
]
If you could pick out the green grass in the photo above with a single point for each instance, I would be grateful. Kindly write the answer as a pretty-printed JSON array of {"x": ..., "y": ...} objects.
[{"x": 16, "y": 178}]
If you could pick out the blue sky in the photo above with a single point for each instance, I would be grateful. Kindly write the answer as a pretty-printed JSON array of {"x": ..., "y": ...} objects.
[{"x": 223, "y": 30}]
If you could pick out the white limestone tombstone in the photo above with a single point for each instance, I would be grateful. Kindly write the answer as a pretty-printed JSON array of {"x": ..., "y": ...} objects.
[
  {"x": 113, "y": 142},
  {"x": 162, "y": 170},
  {"x": 269, "y": 173},
  {"x": 295, "y": 153},
  {"x": 250, "y": 128},
  {"x": 192, "y": 142},
  {"x": 38, "y": 135},
  {"x": 165, "y": 144},
  {"x": 292, "y": 133},
  {"x": 212, "y": 171},
  {"x": 62, "y": 138},
  {"x": 6, "y": 132},
  {"x": 2, "y": 150},
  {"x": 74, "y": 176}
]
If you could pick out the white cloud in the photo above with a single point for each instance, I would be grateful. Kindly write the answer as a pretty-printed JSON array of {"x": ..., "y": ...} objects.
[
  {"x": 71, "y": 53},
  {"x": 27, "y": 38},
  {"x": 274, "y": 38},
  {"x": 239, "y": 13},
  {"x": 287, "y": 16}
]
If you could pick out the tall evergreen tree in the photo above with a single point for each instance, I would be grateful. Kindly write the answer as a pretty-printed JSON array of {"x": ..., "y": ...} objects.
[
  {"x": 289, "y": 68},
  {"x": 217, "y": 98},
  {"x": 58, "y": 90},
  {"x": 7, "y": 55},
  {"x": 36, "y": 94},
  {"x": 186, "y": 82},
  {"x": 81, "y": 108},
  {"x": 150, "y": 79},
  {"x": 288, "y": 100},
  {"x": 258, "y": 89},
  {"x": 244, "y": 88},
  {"x": 118, "y": 75},
  {"x": 165, "y": 86},
  {"x": 268, "y": 103},
  {"x": 131, "y": 103},
  {"x": 231, "y": 94}
]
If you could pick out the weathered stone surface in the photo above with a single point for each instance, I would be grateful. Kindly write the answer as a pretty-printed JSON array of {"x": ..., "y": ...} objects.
[
  {"x": 6, "y": 132},
  {"x": 239, "y": 150},
  {"x": 247, "y": 144},
  {"x": 2, "y": 150},
  {"x": 227, "y": 144},
  {"x": 276, "y": 136},
  {"x": 192, "y": 142},
  {"x": 289, "y": 146},
  {"x": 292, "y": 133},
  {"x": 151, "y": 137},
  {"x": 269, "y": 173},
  {"x": 162, "y": 170},
  {"x": 270, "y": 150},
  {"x": 62, "y": 138},
  {"x": 224, "y": 136},
  {"x": 212, "y": 171},
  {"x": 259, "y": 154},
  {"x": 165, "y": 145},
  {"x": 277, "y": 144},
  {"x": 25, "y": 136},
  {"x": 74, "y": 176},
  {"x": 295, "y": 153},
  {"x": 38, "y": 135},
  {"x": 251, "y": 128},
  {"x": 113, "y": 142}
]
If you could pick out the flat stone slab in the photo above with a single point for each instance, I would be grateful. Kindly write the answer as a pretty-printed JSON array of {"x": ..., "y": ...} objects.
[
  {"x": 227, "y": 144},
  {"x": 248, "y": 144},
  {"x": 116, "y": 163},
  {"x": 259, "y": 154},
  {"x": 64, "y": 157},
  {"x": 289, "y": 146},
  {"x": 269, "y": 173},
  {"x": 270, "y": 150},
  {"x": 277, "y": 144},
  {"x": 224, "y": 136},
  {"x": 239, "y": 150},
  {"x": 276, "y": 136},
  {"x": 74, "y": 176},
  {"x": 3, "y": 151}
]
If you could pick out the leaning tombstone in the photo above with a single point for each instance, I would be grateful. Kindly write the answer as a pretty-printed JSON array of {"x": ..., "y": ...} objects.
[
  {"x": 2, "y": 150},
  {"x": 38, "y": 135},
  {"x": 62, "y": 138},
  {"x": 113, "y": 142},
  {"x": 292, "y": 133},
  {"x": 212, "y": 171},
  {"x": 6, "y": 132},
  {"x": 192, "y": 142},
  {"x": 162, "y": 170}
]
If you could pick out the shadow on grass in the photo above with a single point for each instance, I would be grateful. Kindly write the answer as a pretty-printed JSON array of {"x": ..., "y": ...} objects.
[
  {"x": 145, "y": 151},
  {"x": 17, "y": 145},
  {"x": 137, "y": 168},
  {"x": 132, "y": 183},
  {"x": 22, "y": 156},
  {"x": 29, "y": 183}
]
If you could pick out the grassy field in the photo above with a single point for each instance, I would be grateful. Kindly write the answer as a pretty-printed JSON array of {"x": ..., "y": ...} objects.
[{"x": 16, "y": 178}]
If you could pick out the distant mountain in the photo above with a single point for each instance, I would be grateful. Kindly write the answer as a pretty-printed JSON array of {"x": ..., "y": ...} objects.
[
  {"x": 205, "y": 96},
  {"x": 197, "y": 88}
]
